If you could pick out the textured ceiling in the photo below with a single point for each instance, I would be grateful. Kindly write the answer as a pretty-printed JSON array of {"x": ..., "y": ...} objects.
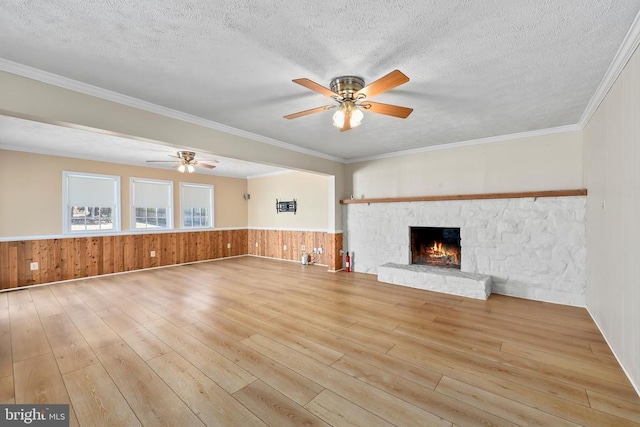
[{"x": 477, "y": 68}]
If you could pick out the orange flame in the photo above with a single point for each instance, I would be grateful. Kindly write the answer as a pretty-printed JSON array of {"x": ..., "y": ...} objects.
[{"x": 438, "y": 251}]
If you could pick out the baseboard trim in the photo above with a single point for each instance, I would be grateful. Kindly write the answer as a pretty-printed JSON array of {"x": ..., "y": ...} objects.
[
  {"x": 633, "y": 384},
  {"x": 287, "y": 260}
]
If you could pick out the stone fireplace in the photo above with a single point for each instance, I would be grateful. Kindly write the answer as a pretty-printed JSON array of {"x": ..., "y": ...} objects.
[
  {"x": 531, "y": 247},
  {"x": 436, "y": 246}
]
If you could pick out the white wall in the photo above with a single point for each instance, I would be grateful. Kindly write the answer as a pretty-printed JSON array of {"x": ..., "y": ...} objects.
[
  {"x": 310, "y": 191},
  {"x": 612, "y": 176},
  {"x": 547, "y": 162}
]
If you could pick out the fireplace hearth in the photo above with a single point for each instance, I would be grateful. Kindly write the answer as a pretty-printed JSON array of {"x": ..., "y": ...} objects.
[{"x": 435, "y": 246}]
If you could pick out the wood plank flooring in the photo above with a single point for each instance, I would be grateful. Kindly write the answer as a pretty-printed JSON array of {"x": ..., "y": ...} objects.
[{"x": 254, "y": 342}]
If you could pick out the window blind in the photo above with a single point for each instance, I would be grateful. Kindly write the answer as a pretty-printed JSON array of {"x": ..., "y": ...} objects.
[
  {"x": 91, "y": 191},
  {"x": 151, "y": 194},
  {"x": 196, "y": 196}
]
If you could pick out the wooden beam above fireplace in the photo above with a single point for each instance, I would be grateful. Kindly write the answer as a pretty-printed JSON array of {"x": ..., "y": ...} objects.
[{"x": 516, "y": 195}]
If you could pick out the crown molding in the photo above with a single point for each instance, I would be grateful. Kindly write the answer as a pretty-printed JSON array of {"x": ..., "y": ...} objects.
[
  {"x": 488, "y": 140},
  {"x": 108, "y": 95},
  {"x": 623, "y": 55},
  {"x": 268, "y": 174},
  {"x": 87, "y": 89}
]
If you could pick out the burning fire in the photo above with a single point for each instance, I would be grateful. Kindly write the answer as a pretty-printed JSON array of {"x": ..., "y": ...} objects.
[
  {"x": 438, "y": 251},
  {"x": 437, "y": 246}
]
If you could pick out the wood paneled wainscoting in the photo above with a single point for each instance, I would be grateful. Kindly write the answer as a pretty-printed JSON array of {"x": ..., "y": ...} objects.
[
  {"x": 272, "y": 243},
  {"x": 78, "y": 257}
]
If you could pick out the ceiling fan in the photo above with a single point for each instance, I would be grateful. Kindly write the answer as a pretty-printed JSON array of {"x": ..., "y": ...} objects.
[
  {"x": 350, "y": 93},
  {"x": 186, "y": 162}
]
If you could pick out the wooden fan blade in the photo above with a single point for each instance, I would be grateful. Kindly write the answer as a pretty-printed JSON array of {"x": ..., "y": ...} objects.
[
  {"x": 307, "y": 112},
  {"x": 347, "y": 121},
  {"x": 387, "y": 109},
  {"x": 383, "y": 84},
  {"x": 309, "y": 84},
  {"x": 164, "y": 161},
  {"x": 203, "y": 165}
]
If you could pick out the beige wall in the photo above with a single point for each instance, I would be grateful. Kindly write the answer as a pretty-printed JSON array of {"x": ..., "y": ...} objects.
[
  {"x": 549, "y": 162},
  {"x": 612, "y": 176},
  {"x": 31, "y": 192},
  {"x": 309, "y": 190},
  {"x": 27, "y": 98}
]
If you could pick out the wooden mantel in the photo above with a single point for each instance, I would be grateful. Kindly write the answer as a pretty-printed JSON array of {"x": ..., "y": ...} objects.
[{"x": 553, "y": 193}]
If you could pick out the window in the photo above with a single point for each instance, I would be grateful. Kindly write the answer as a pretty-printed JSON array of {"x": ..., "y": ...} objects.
[
  {"x": 90, "y": 202},
  {"x": 196, "y": 202},
  {"x": 151, "y": 202}
]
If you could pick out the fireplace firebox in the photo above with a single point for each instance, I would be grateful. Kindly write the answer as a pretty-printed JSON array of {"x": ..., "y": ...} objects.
[{"x": 436, "y": 246}]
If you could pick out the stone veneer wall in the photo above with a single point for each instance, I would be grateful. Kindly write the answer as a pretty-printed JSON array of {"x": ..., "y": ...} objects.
[{"x": 532, "y": 248}]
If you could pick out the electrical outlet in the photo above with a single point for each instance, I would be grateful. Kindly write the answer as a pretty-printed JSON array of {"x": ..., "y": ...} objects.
[
  {"x": 320, "y": 250},
  {"x": 284, "y": 247},
  {"x": 256, "y": 244},
  {"x": 153, "y": 254},
  {"x": 33, "y": 266},
  {"x": 303, "y": 248},
  {"x": 228, "y": 245}
]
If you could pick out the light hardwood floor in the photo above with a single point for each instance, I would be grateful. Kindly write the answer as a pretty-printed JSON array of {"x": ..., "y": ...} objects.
[{"x": 254, "y": 342}]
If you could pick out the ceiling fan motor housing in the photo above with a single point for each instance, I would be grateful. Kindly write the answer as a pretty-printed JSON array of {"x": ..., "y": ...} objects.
[
  {"x": 347, "y": 86},
  {"x": 187, "y": 156}
]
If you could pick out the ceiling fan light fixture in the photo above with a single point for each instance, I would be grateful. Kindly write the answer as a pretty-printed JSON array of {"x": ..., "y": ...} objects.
[
  {"x": 186, "y": 162},
  {"x": 356, "y": 115},
  {"x": 338, "y": 119}
]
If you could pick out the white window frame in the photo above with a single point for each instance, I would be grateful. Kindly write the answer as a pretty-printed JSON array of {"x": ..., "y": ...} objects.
[
  {"x": 66, "y": 222},
  {"x": 182, "y": 205},
  {"x": 168, "y": 207}
]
